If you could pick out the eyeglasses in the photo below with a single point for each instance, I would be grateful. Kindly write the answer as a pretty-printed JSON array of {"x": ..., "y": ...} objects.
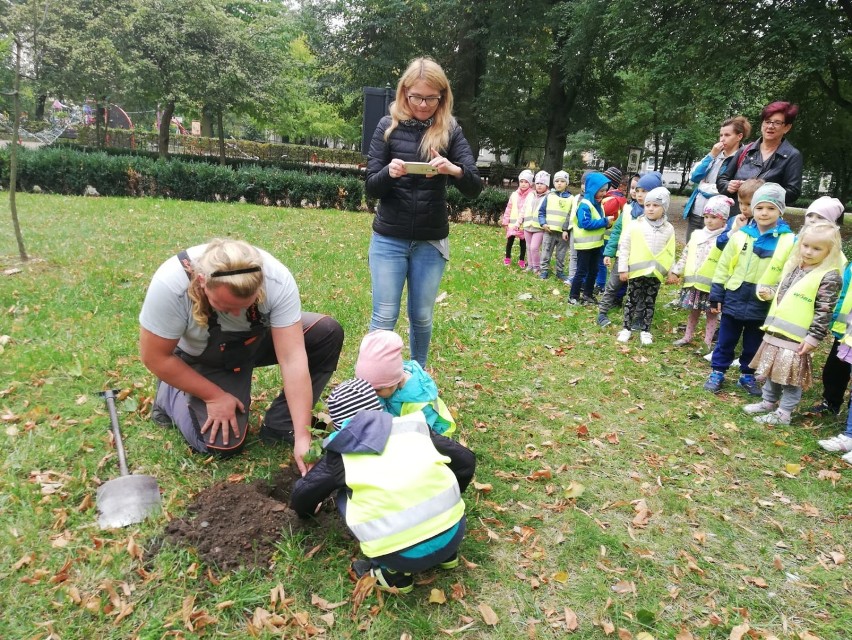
[
  {"x": 430, "y": 101},
  {"x": 775, "y": 124}
]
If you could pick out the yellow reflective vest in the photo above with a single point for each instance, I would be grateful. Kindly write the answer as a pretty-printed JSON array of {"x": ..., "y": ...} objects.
[
  {"x": 531, "y": 206},
  {"x": 557, "y": 211},
  {"x": 700, "y": 278},
  {"x": 444, "y": 424},
  {"x": 404, "y": 495},
  {"x": 587, "y": 238},
  {"x": 642, "y": 262},
  {"x": 514, "y": 210},
  {"x": 844, "y": 306},
  {"x": 793, "y": 315},
  {"x": 738, "y": 262}
]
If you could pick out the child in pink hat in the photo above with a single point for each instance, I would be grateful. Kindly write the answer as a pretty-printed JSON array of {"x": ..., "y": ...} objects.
[{"x": 403, "y": 386}]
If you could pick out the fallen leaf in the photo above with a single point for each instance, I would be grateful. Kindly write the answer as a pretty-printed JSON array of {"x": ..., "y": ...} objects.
[
  {"x": 757, "y": 582},
  {"x": 624, "y": 634},
  {"x": 561, "y": 576},
  {"x": 644, "y": 635},
  {"x": 437, "y": 597},
  {"x": 838, "y": 557},
  {"x": 623, "y": 586},
  {"x": 133, "y": 549},
  {"x": 684, "y": 634},
  {"x": 571, "y": 622},
  {"x": 792, "y": 468},
  {"x": 485, "y": 488},
  {"x": 328, "y": 618},
  {"x": 225, "y": 604},
  {"x": 739, "y": 631},
  {"x": 541, "y": 474},
  {"x": 488, "y": 616},
  {"x": 827, "y": 474},
  {"x": 574, "y": 490}
]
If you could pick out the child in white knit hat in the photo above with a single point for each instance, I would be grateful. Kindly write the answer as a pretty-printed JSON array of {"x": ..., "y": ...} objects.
[
  {"x": 697, "y": 264},
  {"x": 514, "y": 214},
  {"x": 403, "y": 386},
  {"x": 533, "y": 233}
]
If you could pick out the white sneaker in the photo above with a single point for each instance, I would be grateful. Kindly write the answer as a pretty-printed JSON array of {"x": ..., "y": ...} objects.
[
  {"x": 847, "y": 458},
  {"x": 623, "y": 335},
  {"x": 776, "y": 417},
  {"x": 840, "y": 442},
  {"x": 760, "y": 407},
  {"x": 646, "y": 338}
]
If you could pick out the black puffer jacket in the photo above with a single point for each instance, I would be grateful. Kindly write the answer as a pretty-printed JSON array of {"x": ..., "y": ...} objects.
[
  {"x": 415, "y": 207},
  {"x": 783, "y": 167}
]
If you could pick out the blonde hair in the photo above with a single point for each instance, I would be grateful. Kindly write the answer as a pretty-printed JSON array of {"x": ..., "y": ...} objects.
[
  {"x": 437, "y": 135},
  {"x": 224, "y": 255},
  {"x": 825, "y": 231}
]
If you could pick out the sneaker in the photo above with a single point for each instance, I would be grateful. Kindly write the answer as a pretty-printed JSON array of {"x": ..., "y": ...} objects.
[
  {"x": 715, "y": 381},
  {"x": 823, "y": 407},
  {"x": 386, "y": 579},
  {"x": 450, "y": 563},
  {"x": 748, "y": 382},
  {"x": 776, "y": 417},
  {"x": 507, "y": 261},
  {"x": 646, "y": 338},
  {"x": 160, "y": 417},
  {"x": 274, "y": 436},
  {"x": 760, "y": 407},
  {"x": 603, "y": 320},
  {"x": 573, "y": 301},
  {"x": 623, "y": 335},
  {"x": 543, "y": 274},
  {"x": 681, "y": 343},
  {"x": 841, "y": 443},
  {"x": 522, "y": 264},
  {"x": 590, "y": 300},
  {"x": 847, "y": 457}
]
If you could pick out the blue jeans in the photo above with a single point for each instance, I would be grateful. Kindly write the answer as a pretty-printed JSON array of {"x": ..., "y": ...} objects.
[{"x": 393, "y": 261}]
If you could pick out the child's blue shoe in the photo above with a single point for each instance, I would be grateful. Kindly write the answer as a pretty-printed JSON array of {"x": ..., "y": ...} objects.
[
  {"x": 748, "y": 382},
  {"x": 543, "y": 274},
  {"x": 715, "y": 381}
]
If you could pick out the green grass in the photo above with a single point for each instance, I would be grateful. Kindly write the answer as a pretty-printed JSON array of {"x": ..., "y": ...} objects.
[{"x": 523, "y": 375}]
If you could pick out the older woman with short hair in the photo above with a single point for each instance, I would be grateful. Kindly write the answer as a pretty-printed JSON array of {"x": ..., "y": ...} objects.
[{"x": 771, "y": 157}]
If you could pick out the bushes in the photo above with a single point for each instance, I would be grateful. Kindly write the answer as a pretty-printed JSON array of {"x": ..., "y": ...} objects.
[{"x": 66, "y": 171}]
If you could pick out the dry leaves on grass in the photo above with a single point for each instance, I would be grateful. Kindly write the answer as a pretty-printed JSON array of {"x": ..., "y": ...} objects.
[{"x": 488, "y": 616}]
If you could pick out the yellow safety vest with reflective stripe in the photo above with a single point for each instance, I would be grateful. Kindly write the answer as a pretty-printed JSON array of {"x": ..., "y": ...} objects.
[
  {"x": 557, "y": 211},
  {"x": 531, "y": 205},
  {"x": 738, "y": 262},
  {"x": 793, "y": 315},
  {"x": 513, "y": 211},
  {"x": 701, "y": 278},
  {"x": 404, "y": 495},
  {"x": 642, "y": 262},
  {"x": 588, "y": 238},
  {"x": 841, "y": 314},
  {"x": 444, "y": 425}
]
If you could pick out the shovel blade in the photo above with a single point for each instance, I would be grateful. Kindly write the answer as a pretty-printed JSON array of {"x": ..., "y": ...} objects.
[{"x": 127, "y": 500}]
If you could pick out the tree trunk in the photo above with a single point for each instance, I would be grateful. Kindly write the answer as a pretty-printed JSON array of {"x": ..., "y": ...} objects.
[
  {"x": 221, "y": 137},
  {"x": 206, "y": 122},
  {"x": 471, "y": 61},
  {"x": 13, "y": 153},
  {"x": 165, "y": 128},
  {"x": 557, "y": 121},
  {"x": 39, "y": 107},
  {"x": 664, "y": 160}
]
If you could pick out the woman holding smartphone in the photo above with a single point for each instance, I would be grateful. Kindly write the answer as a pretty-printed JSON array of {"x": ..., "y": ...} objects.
[{"x": 411, "y": 228}]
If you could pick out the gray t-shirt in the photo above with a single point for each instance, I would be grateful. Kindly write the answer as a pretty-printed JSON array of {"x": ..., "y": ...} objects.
[{"x": 167, "y": 310}]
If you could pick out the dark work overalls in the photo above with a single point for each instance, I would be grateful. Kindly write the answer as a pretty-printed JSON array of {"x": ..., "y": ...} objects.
[{"x": 229, "y": 360}]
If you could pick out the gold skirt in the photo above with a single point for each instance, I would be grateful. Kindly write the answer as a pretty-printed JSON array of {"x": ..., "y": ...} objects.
[{"x": 782, "y": 366}]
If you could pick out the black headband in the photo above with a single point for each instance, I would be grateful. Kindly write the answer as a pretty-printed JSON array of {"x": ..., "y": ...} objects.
[{"x": 234, "y": 272}]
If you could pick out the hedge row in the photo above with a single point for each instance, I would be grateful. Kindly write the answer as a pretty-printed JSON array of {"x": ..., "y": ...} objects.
[
  {"x": 238, "y": 149},
  {"x": 67, "y": 171}
]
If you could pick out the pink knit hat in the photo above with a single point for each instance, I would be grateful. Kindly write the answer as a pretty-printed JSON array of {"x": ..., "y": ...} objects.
[
  {"x": 380, "y": 359},
  {"x": 825, "y": 207}
]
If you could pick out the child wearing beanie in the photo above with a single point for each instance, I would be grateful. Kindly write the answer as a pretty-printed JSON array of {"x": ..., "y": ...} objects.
[
  {"x": 754, "y": 255},
  {"x": 403, "y": 387},
  {"x": 533, "y": 233},
  {"x": 589, "y": 225},
  {"x": 554, "y": 213},
  {"x": 512, "y": 216},
  {"x": 398, "y": 486},
  {"x": 646, "y": 252},
  {"x": 825, "y": 208},
  {"x": 697, "y": 264}
]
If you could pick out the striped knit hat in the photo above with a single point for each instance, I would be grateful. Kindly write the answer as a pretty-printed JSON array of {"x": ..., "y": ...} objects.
[{"x": 349, "y": 398}]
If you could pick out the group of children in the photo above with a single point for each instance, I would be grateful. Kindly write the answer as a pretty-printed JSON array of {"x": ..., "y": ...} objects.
[
  {"x": 397, "y": 476},
  {"x": 754, "y": 280}
]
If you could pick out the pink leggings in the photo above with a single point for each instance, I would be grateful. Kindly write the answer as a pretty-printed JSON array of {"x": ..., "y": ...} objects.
[
  {"x": 534, "y": 248},
  {"x": 709, "y": 328}
]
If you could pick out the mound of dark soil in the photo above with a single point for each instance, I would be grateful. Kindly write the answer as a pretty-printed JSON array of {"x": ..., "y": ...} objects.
[{"x": 233, "y": 525}]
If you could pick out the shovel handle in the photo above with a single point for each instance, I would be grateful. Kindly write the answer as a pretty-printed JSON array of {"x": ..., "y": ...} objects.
[{"x": 109, "y": 396}]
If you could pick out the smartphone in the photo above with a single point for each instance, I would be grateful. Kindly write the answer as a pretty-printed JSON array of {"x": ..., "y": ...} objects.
[{"x": 421, "y": 168}]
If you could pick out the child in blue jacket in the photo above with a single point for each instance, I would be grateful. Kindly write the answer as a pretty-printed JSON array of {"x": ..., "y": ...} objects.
[{"x": 590, "y": 224}]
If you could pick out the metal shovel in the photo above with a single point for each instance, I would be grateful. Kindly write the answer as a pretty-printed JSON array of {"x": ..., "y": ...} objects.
[{"x": 128, "y": 499}]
